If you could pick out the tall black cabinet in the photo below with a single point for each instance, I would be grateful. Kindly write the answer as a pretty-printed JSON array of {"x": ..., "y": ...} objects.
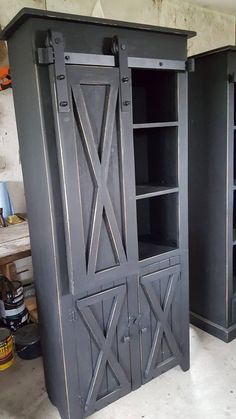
[
  {"x": 101, "y": 110},
  {"x": 212, "y": 192}
]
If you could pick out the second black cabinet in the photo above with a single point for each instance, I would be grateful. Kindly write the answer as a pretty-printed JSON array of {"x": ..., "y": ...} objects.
[{"x": 212, "y": 196}]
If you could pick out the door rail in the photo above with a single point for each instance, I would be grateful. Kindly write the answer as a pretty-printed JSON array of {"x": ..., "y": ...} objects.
[
  {"x": 46, "y": 56},
  {"x": 133, "y": 62}
]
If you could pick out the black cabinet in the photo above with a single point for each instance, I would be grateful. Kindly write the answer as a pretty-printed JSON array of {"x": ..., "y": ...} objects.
[
  {"x": 212, "y": 196},
  {"x": 101, "y": 112}
]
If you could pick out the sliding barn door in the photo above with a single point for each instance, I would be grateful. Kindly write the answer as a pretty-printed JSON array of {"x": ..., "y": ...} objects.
[{"x": 96, "y": 168}]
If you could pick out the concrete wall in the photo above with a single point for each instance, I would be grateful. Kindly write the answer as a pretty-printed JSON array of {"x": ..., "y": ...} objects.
[
  {"x": 214, "y": 30},
  {"x": 10, "y": 167}
]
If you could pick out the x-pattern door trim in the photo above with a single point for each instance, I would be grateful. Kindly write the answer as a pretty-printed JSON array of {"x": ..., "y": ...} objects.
[
  {"x": 161, "y": 315},
  {"x": 99, "y": 169},
  {"x": 104, "y": 343}
]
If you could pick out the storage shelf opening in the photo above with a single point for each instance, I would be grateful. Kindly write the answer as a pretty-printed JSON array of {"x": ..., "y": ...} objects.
[
  {"x": 154, "y": 96},
  {"x": 156, "y": 165},
  {"x": 157, "y": 219}
]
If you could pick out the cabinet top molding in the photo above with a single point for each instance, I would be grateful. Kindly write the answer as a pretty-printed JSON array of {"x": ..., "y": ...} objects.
[
  {"x": 226, "y": 48},
  {"x": 28, "y": 13}
]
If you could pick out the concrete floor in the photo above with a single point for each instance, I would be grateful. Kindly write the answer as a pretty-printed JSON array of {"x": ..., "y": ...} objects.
[{"x": 207, "y": 391}]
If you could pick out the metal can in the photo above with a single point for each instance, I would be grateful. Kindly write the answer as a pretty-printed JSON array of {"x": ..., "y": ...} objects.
[{"x": 6, "y": 348}]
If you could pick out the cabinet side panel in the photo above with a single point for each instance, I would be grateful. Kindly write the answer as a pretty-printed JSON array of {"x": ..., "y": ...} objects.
[
  {"x": 207, "y": 187},
  {"x": 39, "y": 164}
]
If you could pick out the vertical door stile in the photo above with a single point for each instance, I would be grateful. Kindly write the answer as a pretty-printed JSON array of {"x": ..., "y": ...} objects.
[
  {"x": 183, "y": 214},
  {"x": 127, "y": 152},
  {"x": 129, "y": 203},
  {"x": 68, "y": 167},
  {"x": 65, "y": 140},
  {"x": 230, "y": 194}
]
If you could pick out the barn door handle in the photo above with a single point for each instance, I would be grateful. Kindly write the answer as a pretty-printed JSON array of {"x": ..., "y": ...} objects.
[{"x": 126, "y": 339}]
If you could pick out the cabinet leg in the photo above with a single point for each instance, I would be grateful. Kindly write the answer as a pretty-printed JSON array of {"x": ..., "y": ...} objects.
[{"x": 185, "y": 363}]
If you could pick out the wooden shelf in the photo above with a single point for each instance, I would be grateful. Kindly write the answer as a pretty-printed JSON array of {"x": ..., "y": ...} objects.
[
  {"x": 149, "y": 249},
  {"x": 156, "y": 125},
  {"x": 148, "y": 191}
]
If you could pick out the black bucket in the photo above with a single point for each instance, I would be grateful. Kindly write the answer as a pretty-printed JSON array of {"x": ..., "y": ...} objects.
[{"x": 27, "y": 342}]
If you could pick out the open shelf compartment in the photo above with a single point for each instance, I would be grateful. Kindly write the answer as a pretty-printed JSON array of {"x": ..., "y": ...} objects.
[
  {"x": 157, "y": 220},
  {"x": 156, "y": 160},
  {"x": 154, "y": 96}
]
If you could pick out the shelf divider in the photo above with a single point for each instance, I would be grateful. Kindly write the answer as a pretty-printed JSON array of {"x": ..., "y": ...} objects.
[
  {"x": 156, "y": 125},
  {"x": 150, "y": 249},
  {"x": 149, "y": 191}
]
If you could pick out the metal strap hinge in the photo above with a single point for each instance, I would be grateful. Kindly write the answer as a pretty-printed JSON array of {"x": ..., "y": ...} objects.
[
  {"x": 53, "y": 53},
  {"x": 46, "y": 55},
  {"x": 119, "y": 49}
]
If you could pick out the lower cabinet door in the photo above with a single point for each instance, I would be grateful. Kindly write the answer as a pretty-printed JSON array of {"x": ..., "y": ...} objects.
[
  {"x": 103, "y": 345},
  {"x": 105, "y": 329},
  {"x": 160, "y": 321}
]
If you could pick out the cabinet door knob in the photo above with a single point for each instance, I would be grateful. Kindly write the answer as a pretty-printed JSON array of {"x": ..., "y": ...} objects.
[
  {"x": 143, "y": 330},
  {"x": 126, "y": 339}
]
